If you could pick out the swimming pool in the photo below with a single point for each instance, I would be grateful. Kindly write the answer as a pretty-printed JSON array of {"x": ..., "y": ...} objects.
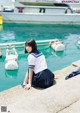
[{"x": 20, "y": 32}]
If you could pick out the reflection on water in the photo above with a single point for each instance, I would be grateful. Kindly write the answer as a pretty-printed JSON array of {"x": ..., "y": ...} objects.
[
  {"x": 11, "y": 74},
  {"x": 8, "y": 36},
  {"x": 1, "y": 27},
  {"x": 58, "y": 54}
]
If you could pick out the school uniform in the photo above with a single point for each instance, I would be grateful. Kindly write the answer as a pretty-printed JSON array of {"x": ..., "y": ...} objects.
[{"x": 42, "y": 76}]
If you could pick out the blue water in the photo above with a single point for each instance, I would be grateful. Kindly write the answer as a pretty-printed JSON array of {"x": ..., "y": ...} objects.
[{"x": 55, "y": 60}]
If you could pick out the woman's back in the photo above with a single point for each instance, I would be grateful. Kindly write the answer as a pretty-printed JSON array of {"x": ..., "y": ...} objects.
[{"x": 38, "y": 60}]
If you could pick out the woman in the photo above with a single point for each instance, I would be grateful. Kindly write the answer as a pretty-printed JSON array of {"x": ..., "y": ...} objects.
[{"x": 38, "y": 74}]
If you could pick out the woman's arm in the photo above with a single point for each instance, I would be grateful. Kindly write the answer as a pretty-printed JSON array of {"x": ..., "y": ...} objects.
[
  {"x": 26, "y": 80},
  {"x": 29, "y": 78},
  {"x": 31, "y": 65},
  {"x": 30, "y": 75}
]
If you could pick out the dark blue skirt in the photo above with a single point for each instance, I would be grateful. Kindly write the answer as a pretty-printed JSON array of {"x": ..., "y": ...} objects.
[{"x": 43, "y": 79}]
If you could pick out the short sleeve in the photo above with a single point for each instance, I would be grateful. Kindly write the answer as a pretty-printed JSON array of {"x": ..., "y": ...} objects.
[{"x": 31, "y": 61}]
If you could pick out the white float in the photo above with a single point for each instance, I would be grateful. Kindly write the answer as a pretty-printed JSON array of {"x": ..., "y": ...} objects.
[
  {"x": 78, "y": 42},
  {"x": 11, "y": 61},
  {"x": 0, "y": 53},
  {"x": 57, "y": 45}
]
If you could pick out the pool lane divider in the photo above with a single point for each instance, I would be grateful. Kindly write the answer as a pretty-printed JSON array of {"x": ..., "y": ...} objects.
[{"x": 22, "y": 44}]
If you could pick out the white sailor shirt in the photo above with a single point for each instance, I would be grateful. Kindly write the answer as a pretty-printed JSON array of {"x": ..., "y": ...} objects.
[{"x": 37, "y": 62}]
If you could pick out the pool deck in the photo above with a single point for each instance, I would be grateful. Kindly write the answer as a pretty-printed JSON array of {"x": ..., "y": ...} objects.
[{"x": 63, "y": 97}]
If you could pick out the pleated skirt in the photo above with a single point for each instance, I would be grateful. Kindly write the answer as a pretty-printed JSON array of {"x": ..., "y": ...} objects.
[{"x": 43, "y": 79}]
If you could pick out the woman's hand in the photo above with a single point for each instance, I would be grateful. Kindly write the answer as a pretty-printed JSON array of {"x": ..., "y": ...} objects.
[{"x": 28, "y": 86}]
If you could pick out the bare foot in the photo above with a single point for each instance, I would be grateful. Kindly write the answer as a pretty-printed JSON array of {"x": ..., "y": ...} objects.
[{"x": 56, "y": 76}]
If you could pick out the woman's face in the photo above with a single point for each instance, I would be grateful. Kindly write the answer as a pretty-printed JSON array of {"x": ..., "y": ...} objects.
[{"x": 29, "y": 49}]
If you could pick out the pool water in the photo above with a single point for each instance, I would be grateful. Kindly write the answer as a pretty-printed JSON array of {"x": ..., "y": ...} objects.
[{"x": 55, "y": 60}]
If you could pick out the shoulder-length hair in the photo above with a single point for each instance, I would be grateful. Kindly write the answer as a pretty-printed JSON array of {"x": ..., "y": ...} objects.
[{"x": 32, "y": 44}]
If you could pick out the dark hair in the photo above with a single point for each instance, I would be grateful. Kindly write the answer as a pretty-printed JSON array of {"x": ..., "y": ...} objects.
[{"x": 32, "y": 44}]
